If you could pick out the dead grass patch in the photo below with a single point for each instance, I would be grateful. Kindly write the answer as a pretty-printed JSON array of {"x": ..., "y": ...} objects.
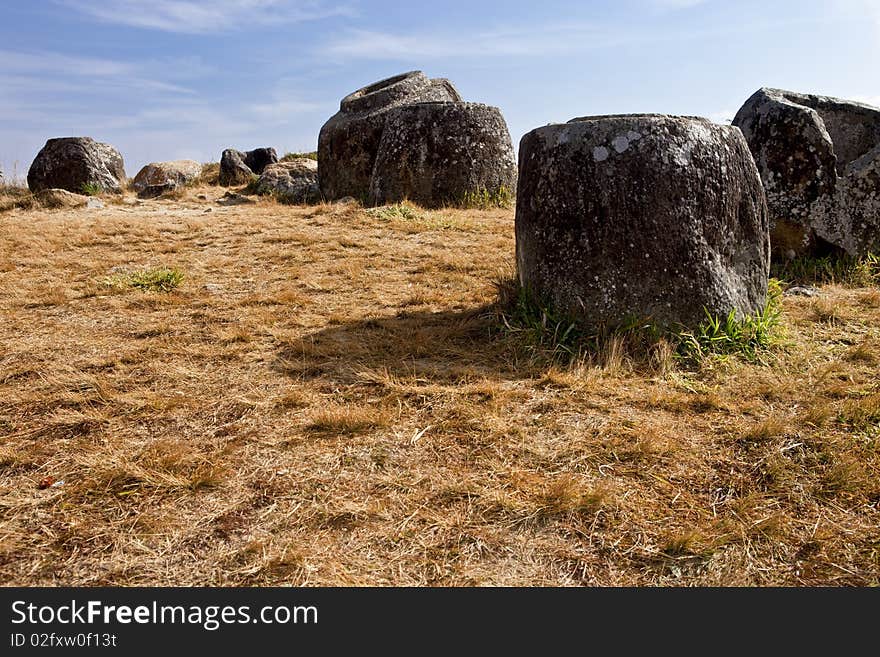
[
  {"x": 347, "y": 420},
  {"x": 327, "y": 400}
]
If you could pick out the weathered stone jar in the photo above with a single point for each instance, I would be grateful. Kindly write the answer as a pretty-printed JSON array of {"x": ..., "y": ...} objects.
[
  {"x": 440, "y": 153},
  {"x": 819, "y": 158},
  {"x": 349, "y": 141},
  {"x": 75, "y": 163},
  {"x": 646, "y": 217}
]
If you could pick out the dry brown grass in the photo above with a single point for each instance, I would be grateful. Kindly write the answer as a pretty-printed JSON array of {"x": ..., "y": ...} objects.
[
  {"x": 16, "y": 195},
  {"x": 325, "y": 401}
]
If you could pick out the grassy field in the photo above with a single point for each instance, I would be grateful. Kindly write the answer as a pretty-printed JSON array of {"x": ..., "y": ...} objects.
[{"x": 202, "y": 394}]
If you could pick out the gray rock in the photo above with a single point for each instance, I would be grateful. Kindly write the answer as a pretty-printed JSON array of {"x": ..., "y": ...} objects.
[
  {"x": 622, "y": 218},
  {"x": 60, "y": 198},
  {"x": 349, "y": 141},
  {"x": 73, "y": 163},
  {"x": 233, "y": 170},
  {"x": 239, "y": 168},
  {"x": 802, "y": 291},
  {"x": 438, "y": 153},
  {"x": 291, "y": 181},
  {"x": 258, "y": 159},
  {"x": 819, "y": 158},
  {"x": 94, "y": 204},
  {"x": 157, "y": 178}
]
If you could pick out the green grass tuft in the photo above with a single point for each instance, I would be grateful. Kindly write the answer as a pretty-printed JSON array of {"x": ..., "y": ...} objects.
[
  {"x": 526, "y": 317},
  {"x": 829, "y": 270},
  {"x": 404, "y": 210},
  {"x": 293, "y": 156},
  {"x": 751, "y": 337},
  {"x": 483, "y": 199},
  {"x": 161, "y": 279},
  {"x": 91, "y": 189},
  {"x": 523, "y": 315}
]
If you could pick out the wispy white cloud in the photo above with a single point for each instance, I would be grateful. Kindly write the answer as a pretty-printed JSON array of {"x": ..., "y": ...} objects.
[
  {"x": 144, "y": 107},
  {"x": 551, "y": 39},
  {"x": 54, "y": 71},
  {"x": 205, "y": 16},
  {"x": 284, "y": 109},
  {"x": 61, "y": 64},
  {"x": 671, "y": 5}
]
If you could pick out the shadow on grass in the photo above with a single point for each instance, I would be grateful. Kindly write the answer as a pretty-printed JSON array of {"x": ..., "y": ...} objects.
[{"x": 439, "y": 347}]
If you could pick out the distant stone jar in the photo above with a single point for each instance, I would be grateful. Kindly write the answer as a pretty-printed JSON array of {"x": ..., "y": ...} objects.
[
  {"x": 440, "y": 153},
  {"x": 819, "y": 159},
  {"x": 157, "y": 178},
  {"x": 641, "y": 217},
  {"x": 349, "y": 141},
  {"x": 77, "y": 164},
  {"x": 240, "y": 167}
]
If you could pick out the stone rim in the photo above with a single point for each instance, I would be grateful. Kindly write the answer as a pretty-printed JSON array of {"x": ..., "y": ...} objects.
[
  {"x": 363, "y": 98},
  {"x": 598, "y": 118}
]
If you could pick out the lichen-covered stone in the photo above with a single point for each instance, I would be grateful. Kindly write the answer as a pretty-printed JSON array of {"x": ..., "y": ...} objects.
[
  {"x": 291, "y": 181},
  {"x": 75, "y": 163},
  {"x": 819, "y": 159},
  {"x": 156, "y": 178},
  {"x": 641, "y": 217},
  {"x": 240, "y": 167},
  {"x": 349, "y": 141},
  {"x": 438, "y": 153}
]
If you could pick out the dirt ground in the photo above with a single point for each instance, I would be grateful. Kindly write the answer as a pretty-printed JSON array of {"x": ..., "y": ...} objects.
[{"x": 327, "y": 399}]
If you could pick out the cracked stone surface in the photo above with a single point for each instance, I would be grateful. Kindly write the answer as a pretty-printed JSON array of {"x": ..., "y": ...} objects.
[
  {"x": 646, "y": 217},
  {"x": 437, "y": 153},
  {"x": 349, "y": 142},
  {"x": 819, "y": 159}
]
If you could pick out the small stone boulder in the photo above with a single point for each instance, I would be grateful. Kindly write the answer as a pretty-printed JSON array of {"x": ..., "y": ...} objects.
[
  {"x": 60, "y": 198},
  {"x": 75, "y": 163},
  {"x": 157, "y": 178},
  {"x": 258, "y": 159},
  {"x": 641, "y": 217},
  {"x": 819, "y": 159},
  {"x": 440, "y": 153},
  {"x": 349, "y": 141},
  {"x": 291, "y": 181},
  {"x": 239, "y": 168},
  {"x": 233, "y": 170}
]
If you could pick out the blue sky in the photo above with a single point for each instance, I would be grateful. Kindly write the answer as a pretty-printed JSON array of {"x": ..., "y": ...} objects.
[{"x": 167, "y": 79}]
